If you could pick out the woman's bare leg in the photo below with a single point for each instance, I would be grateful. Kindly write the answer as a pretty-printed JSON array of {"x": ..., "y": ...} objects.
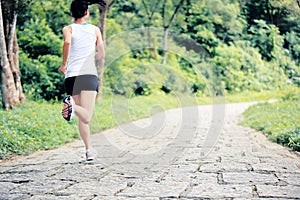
[{"x": 84, "y": 109}]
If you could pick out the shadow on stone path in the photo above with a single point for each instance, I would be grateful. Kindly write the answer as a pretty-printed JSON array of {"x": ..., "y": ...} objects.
[{"x": 187, "y": 153}]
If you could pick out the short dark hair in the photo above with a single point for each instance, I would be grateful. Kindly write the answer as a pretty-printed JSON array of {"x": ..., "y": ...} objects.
[
  {"x": 78, "y": 8},
  {"x": 100, "y": 2}
]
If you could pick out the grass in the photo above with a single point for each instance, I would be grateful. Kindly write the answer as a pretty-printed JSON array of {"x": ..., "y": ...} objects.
[
  {"x": 39, "y": 125},
  {"x": 280, "y": 121},
  {"x": 253, "y": 96},
  {"x": 33, "y": 126}
]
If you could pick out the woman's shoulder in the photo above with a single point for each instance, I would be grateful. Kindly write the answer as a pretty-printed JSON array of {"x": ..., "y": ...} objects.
[
  {"x": 67, "y": 28},
  {"x": 92, "y": 25}
]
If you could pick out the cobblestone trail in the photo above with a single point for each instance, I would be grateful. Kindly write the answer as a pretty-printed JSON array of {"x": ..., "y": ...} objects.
[{"x": 189, "y": 153}]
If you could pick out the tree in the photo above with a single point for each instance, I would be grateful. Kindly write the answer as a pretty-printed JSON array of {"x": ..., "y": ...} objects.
[
  {"x": 167, "y": 24},
  {"x": 282, "y": 13},
  {"x": 11, "y": 87},
  {"x": 150, "y": 11},
  {"x": 104, "y": 6}
]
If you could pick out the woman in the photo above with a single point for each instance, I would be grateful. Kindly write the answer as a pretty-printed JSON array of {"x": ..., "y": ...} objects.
[{"x": 82, "y": 45}]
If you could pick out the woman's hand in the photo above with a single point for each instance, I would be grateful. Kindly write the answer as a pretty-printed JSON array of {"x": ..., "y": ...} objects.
[{"x": 63, "y": 69}]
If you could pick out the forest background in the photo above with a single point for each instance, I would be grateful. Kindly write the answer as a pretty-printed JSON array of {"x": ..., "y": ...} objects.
[{"x": 240, "y": 49}]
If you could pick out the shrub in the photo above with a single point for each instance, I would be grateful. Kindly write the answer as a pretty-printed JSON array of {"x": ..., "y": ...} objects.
[
  {"x": 240, "y": 67},
  {"x": 38, "y": 39},
  {"x": 40, "y": 78}
]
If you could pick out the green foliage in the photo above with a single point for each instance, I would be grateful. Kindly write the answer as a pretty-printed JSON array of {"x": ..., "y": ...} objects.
[
  {"x": 141, "y": 88},
  {"x": 55, "y": 87},
  {"x": 130, "y": 76},
  {"x": 271, "y": 45},
  {"x": 225, "y": 17},
  {"x": 254, "y": 46},
  {"x": 280, "y": 120},
  {"x": 199, "y": 26},
  {"x": 282, "y": 13},
  {"x": 293, "y": 44},
  {"x": 37, "y": 39},
  {"x": 250, "y": 96},
  {"x": 264, "y": 37},
  {"x": 240, "y": 67},
  {"x": 40, "y": 60},
  {"x": 40, "y": 77},
  {"x": 55, "y": 13},
  {"x": 113, "y": 28},
  {"x": 274, "y": 29},
  {"x": 211, "y": 22},
  {"x": 291, "y": 94}
]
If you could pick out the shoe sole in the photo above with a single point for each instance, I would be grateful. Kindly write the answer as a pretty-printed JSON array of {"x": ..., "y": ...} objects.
[{"x": 70, "y": 113}]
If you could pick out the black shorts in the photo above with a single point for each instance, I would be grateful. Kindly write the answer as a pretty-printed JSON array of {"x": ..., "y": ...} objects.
[{"x": 75, "y": 84}]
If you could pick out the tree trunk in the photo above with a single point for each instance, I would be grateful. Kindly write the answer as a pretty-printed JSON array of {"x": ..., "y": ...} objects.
[
  {"x": 7, "y": 83},
  {"x": 102, "y": 26},
  {"x": 167, "y": 26},
  {"x": 11, "y": 88},
  {"x": 17, "y": 75},
  {"x": 298, "y": 2},
  {"x": 150, "y": 40},
  {"x": 166, "y": 32},
  {"x": 150, "y": 14},
  {"x": 103, "y": 9}
]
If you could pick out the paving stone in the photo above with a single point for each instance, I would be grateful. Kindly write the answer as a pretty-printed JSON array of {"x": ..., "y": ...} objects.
[
  {"x": 6, "y": 187},
  {"x": 249, "y": 178},
  {"x": 193, "y": 178},
  {"x": 107, "y": 186},
  {"x": 155, "y": 189},
  {"x": 217, "y": 191},
  {"x": 270, "y": 191},
  {"x": 276, "y": 164},
  {"x": 224, "y": 167},
  {"x": 289, "y": 178},
  {"x": 15, "y": 196},
  {"x": 52, "y": 197},
  {"x": 182, "y": 168},
  {"x": 126, "y": 198}
]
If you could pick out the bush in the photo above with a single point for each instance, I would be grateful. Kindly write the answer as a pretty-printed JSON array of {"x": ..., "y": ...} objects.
[
  {"x": 40, "y": 77},
  {"x": 240, "y": 67},
  {"x": 142, "y": 88},
  {"x": 290, "y": 138},
  {"x": 40, "y": 58},
  {"x": 38, "y": 39}
]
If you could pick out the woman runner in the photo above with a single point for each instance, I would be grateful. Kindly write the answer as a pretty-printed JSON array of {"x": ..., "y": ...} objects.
[{"x": 82, "y": 49}]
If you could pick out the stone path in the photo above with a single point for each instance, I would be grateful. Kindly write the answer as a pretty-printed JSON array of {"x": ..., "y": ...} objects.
[{"x": 191, "y": 153}]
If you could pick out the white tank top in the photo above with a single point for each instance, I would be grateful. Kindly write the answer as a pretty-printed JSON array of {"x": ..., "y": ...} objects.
[{"x": 81, "y": 59}]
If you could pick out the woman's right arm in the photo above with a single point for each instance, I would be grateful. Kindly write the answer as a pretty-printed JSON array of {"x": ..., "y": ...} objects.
[{"x": 100, "y": 52}]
